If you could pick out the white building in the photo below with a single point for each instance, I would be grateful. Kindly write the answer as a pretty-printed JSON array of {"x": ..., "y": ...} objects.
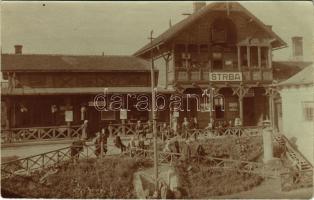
[{"x": 297, "y": 95}]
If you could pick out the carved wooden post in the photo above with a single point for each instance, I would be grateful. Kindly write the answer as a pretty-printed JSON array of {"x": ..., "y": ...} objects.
[
  {"x": 239, "y": 57},
  {"x": 241, "y": 91},
  {"x": 248, "y": 54},
  {"x": 259, "y": 57},
  {"x": 123, "y": 126},
  {"x": 271, "y": 92},
  {"x": 269, "y": 57}
]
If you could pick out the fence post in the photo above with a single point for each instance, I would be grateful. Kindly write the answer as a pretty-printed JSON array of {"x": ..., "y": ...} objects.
[
  {"x": 43, "y": 161},
  {"x": 123, "y": 127},
  {"x": 69, "y": 129}
]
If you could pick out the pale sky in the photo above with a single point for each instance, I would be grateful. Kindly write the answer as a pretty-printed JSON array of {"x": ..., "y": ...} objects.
[{"x": 121, "y": 28}]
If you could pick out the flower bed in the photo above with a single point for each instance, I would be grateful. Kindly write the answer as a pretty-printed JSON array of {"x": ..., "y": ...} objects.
[
  {"x": 108, "y": 178},
  {"x": 203, "y": 182}
]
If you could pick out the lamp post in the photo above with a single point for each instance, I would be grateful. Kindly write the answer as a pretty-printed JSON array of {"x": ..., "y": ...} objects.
[{"x": 154, "y": 114}]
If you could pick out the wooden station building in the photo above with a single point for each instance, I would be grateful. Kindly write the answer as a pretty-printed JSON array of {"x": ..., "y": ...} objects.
[
  {"x": 224, "y": 48},
  {"x": 42, "y": 87},
  {"x": 221, "y": 47}
]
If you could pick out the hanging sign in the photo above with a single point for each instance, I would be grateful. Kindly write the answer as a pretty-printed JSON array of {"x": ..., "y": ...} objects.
[
  {"x": 123, "y": 114},
  {"x": 233, "y": 106},
  {"x": 68, "y": 115},
  {"x": 225, "y": 76},
  {"x": 176, "y": 114}
]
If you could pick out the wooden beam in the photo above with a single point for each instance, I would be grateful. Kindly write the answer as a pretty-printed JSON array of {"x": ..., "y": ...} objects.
[
  {"x": 259, "y": 57},
  {"x": 239, "y": 57},
  {"x": 269, "y": 57},
  {"x": 240, "y": 91},
  {"x": 248, "y": 54}
]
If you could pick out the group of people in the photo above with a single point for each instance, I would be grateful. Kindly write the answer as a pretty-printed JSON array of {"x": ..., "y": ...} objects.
[
  {"x": 183, "y": 149},
  {"x": 143, "y": 133}
]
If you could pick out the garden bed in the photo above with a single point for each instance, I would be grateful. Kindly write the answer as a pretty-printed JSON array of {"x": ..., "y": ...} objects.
[
  {"x": 111, "y": 177},
  {"x": 203, "y": 182}
]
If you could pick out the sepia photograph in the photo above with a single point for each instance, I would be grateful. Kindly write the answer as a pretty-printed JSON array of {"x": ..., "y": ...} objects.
[{"x": 157, "y": 99}]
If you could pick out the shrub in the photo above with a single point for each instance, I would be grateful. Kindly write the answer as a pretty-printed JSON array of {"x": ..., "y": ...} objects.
[
  {"x": 206, "y": 182},
  {"x": 108, "y": 178}
]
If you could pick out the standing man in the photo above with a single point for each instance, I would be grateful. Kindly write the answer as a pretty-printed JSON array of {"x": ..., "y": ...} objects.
[
  {"x": 185, "y": 128},
  {"x": 84, "y": 130},
  {"x": 101, "y": 142},
  {"x": 139, "y": 128}
]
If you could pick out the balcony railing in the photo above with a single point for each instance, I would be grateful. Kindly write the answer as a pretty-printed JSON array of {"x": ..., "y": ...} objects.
[{"x": 4, "y": 84}]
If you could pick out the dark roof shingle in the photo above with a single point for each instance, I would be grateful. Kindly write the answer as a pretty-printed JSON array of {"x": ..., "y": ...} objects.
[{"x": 63, "y": 63}]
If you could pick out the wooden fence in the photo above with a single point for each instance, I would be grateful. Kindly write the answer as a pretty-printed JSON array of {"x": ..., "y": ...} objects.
[
  {"x": 39, "y": 133},
  {"x": 14, "y": 135}
]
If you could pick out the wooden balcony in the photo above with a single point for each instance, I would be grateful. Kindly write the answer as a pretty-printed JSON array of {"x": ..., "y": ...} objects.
[
  {"x": 258, "y": 75},
  {"x": 248, "y": 75}
]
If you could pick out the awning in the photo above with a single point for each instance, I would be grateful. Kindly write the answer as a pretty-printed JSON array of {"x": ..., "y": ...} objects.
[{"x": 81, "y": 90}]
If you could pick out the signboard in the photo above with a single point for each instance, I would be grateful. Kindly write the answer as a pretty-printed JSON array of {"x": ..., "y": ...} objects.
[
  {"x": 250, "y": 93},
  {"x": 98, "y": 103},
  {"x": 225, "y": 76},
  {"x": 233, "y": 106},
  {"x": 68, "y": 115},
  {"x": 123, "y": 114},
  {"x": 205, "y": 107}
]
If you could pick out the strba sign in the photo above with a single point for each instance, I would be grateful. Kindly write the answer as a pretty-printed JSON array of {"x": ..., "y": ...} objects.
[{"x": 225, "y": 76}]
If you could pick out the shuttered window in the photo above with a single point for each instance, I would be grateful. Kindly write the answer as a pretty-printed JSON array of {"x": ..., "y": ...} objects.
[{"x": 308, "y": 110}]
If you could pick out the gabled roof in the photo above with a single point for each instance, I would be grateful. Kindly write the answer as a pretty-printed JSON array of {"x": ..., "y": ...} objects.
[
  {"x": 67, "y": 63},
  {"x": 79, "y": 90},
  {"x": 282, "y": 70},
  {"x": 185, "y": 23},
  {"x": 304, "y": 77}
]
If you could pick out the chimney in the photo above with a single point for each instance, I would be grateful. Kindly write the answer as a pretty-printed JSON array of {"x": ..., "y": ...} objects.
[
  {"x": 297, "y": 48},
  {"x": 197, "y": 5},
  {"x": 18, "y": 49}
]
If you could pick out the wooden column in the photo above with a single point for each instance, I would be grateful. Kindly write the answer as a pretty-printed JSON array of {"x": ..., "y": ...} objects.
[
  {"x": 269, "y": 57},
  {"x": 248, "y": 54},
  {"x": 239, "y": 57},
  {"x": 259, "y": 57},
  {"x": 167, "y": 71},
  {"x": 123, "y": 126},
  {"x": 68, "y": 108},
  {"x": 241, "y": 91}
]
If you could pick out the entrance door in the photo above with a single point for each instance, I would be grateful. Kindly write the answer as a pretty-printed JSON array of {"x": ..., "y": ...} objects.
[{"x": 248, "y": 111}]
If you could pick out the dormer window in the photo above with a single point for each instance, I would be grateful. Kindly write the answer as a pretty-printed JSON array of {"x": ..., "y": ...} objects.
[{"x": 223, "y": 30}]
